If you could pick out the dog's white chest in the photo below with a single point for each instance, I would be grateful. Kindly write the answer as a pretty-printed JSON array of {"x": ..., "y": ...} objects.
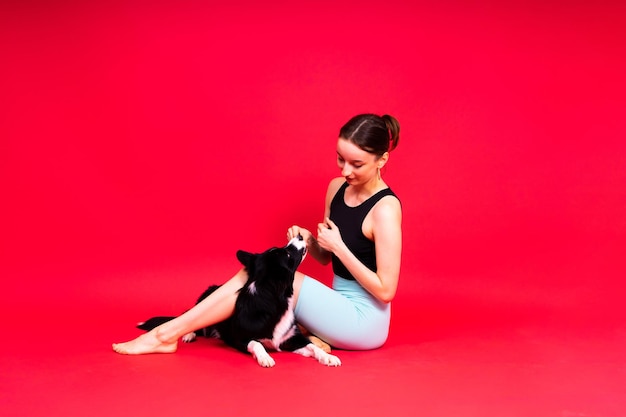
[{"x": 284, "y": 330}]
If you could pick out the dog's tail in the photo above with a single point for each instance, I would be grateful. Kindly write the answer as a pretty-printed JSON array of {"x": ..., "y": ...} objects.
[{"x": 153, "y": 322}]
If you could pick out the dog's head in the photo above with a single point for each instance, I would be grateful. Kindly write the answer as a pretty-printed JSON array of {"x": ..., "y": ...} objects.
[{"x": 275, "y": 263}]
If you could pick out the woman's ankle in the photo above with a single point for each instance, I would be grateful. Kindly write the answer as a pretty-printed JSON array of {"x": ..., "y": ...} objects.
[{"x": 164, "y": 336}]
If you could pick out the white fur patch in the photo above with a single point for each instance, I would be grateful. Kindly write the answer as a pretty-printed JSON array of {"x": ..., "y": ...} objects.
[
  {"x": 321, "y": 356},
  {"x": 260, "y": 354},
  {"x": 189, "y": 337},
  {"x": 285, "y": 329},
  {"x": 299, "y": 244},
  {"x": 252, "y": 288}
]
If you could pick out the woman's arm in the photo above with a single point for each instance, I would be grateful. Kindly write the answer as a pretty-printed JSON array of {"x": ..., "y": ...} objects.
[
  {"x": 386, "y": 231},
  {"x": 315, "y": 250}
]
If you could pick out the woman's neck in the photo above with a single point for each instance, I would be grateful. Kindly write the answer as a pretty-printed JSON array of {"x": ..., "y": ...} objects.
[{"x": 364, "y": 191}]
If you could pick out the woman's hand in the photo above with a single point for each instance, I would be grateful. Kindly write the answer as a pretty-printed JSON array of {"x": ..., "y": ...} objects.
[
  {"x": 328, "y": 236},
  {"x": 312, "y": 245},
  {"x": 294, "y": 231}
]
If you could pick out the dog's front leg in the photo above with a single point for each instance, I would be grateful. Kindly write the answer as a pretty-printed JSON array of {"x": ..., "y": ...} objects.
[
  {"x": 259, "y": 353},
  {"x": 321, "y": 356}
]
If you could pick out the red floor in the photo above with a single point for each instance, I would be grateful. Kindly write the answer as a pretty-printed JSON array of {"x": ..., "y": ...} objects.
[
  {"x": 443, "y": 358},
  {"x": 155, "y": 131}
]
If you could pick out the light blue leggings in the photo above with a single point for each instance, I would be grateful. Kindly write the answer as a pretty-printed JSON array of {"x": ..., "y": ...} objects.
[{"x": 346, "y": 316}]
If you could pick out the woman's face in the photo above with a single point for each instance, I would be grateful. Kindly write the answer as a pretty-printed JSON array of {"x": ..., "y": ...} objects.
[{"x": 357, "y": 166}]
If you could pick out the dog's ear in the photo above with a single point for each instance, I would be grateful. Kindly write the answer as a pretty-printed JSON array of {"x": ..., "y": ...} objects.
[{"x": 246, "y": 258}]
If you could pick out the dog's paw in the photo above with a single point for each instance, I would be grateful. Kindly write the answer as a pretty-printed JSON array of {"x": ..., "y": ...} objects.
[
  {"x": 329, "y": 360},
  {"x": 322, "y": 357},
  {"x": 266, "y": 361},
  {"x": 189, "y": 337},
  {"x": 259, "y": 353}
]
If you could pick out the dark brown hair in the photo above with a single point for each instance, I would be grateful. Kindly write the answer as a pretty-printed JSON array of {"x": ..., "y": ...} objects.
[{"x": 372, "y": 133}]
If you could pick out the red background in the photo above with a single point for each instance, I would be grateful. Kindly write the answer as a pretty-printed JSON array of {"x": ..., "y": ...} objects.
[
  {"x": 136, "y": 134},
  {"x": 143, "y": 143}
]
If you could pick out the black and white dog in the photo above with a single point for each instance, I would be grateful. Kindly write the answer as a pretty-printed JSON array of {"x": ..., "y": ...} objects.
[{"x": 263, "y": 316}]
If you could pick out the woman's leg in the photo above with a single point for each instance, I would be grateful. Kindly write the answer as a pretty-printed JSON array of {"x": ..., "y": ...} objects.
[
  {"x": 213, "y": 309},
  {"x": 346, "y": 316},
  {"x": 297, "y": 285}
]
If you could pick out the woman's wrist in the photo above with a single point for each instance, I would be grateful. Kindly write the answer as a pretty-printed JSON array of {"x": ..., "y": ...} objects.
[{"x": 319, "y": 253}]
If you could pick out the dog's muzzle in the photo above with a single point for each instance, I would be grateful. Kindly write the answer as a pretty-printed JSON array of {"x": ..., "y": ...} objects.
[{"x": 299, "y": 243}]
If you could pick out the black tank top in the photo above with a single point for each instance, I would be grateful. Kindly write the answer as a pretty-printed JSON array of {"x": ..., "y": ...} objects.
[{"x": 349, "y": 220}]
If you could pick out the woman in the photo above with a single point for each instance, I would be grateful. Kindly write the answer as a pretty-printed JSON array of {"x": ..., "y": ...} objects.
[{"x": 361, "y": 235}]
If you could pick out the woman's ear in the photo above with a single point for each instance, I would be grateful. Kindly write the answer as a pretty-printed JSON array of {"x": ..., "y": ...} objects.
[{"x": 383, "y": 160}]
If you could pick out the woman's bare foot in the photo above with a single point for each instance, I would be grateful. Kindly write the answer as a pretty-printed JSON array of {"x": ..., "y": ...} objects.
[
  {"x": 314, "y": 339},
  {"x": 146, "y": 343},
  {"x": 319, "y": 343}
]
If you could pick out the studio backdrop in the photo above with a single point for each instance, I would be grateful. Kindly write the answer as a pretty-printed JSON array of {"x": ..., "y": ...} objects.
[{"x": 136, "y": 136}]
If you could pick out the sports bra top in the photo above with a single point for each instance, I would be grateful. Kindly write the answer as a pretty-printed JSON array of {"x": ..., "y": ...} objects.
[{"x": 349, "y": 220}]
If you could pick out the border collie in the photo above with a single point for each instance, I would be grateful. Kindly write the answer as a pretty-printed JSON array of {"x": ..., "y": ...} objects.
[{"x": 263, "y": 316}]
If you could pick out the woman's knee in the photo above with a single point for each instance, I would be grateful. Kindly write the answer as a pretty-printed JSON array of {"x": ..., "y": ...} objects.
[
  {"x": 238, "y": 280},
  {"x": 241, "y": 276},
  {"x": 297, "y": 285}
]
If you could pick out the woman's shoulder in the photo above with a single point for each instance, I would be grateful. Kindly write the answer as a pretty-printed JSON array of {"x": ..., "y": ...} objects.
[
  {"x": 387, "y": 207},
  {"x": 333, "y": 187},
  {"x": 335, "y": 184}
]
